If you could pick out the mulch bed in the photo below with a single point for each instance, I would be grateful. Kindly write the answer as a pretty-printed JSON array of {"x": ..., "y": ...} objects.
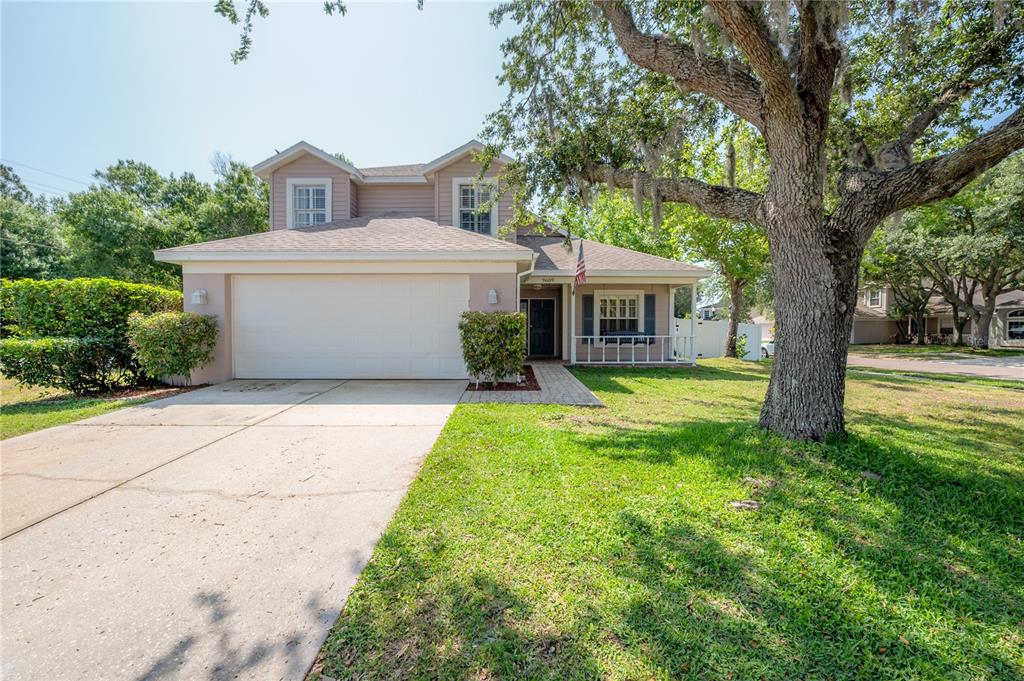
[{"x": 529, "y": 384}]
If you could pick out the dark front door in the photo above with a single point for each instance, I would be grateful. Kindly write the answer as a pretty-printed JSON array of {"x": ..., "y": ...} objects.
[{"x": 542, "y": 327}]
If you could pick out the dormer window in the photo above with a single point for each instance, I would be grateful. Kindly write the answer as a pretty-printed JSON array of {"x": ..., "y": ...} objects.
[
  {"x": 309, "y": 201},
  {"x": 472, "y": 203},
  {"x": 874, "y": 297}
]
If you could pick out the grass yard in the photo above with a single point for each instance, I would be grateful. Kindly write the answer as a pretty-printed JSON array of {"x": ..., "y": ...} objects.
[
  {"x": 557, "y": 542},
  {"x": 932, "y": 351},
  {"x": 24, "y": 409}
]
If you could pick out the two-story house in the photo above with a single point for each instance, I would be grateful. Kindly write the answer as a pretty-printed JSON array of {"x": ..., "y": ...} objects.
[
  {"x": 364, "y": 273},
  {"x": 875, "y": 321}
]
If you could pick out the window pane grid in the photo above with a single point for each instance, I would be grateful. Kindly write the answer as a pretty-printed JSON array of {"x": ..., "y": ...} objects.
[
  {"x": 619, "y": 314},
  {"x": 472, "y": 200},
  {"x": 309, "y": 205}
]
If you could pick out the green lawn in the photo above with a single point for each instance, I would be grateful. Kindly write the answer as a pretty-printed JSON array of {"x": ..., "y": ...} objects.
[
  {"x": 556, "y": 542},
  {"x": 24, "y": 409},
  {"x": 933, "y": 351}
]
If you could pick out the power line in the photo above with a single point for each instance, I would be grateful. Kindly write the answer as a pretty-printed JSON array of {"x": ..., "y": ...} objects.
[
  {"x": 42, "y": 186},
  {"x": 30, "y": 243},
  {"x": 40, "y": 170}
]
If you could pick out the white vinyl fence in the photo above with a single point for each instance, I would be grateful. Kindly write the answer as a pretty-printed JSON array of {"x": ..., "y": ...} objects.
[{"x": 711, "y": 337}]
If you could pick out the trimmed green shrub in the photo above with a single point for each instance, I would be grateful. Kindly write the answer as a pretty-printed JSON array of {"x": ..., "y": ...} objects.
[
  {"x": 493, "y": 344},
  {"x": 70, "y": 333},
  {"x": 78, "y": 307},
  {"x": 172, "y": 343},
  {"x": 81, "y": 365}
]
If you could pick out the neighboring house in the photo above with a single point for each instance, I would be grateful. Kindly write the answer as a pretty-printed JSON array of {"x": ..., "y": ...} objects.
[
  {"x": 365, "y": 273},
  {"x": 717, "y": 310},
  {"x": 874, "y": 322}
]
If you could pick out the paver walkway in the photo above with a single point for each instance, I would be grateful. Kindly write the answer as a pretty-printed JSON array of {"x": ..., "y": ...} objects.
[{"x": 557, "y": 386}]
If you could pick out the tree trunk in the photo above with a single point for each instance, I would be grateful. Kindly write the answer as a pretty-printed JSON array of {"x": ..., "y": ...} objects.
[
  {"x": 983, "y": 324},
  {"x": 959, "y": 323},
  {"x": 815, "y": 296},
  {"x": 920, "y": 328},
  {"x": 735, "y": 303}
]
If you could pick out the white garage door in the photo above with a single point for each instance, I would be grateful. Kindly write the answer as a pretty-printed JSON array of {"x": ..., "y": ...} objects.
[{"x": 348, "y": 326}]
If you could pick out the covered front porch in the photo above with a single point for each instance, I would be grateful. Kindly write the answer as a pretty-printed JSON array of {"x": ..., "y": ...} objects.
[{"x": 625, "y": 319}]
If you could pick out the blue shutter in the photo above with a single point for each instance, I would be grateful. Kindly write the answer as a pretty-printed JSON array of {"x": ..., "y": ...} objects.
[
  {"x": 588, "y": 317},
  {"x": 650, "y": 314}
]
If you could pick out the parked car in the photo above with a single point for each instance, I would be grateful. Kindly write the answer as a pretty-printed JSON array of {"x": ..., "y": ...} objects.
[{"x": 767, "y": 349}]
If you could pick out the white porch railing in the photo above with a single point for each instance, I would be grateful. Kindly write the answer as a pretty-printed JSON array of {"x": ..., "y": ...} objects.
[{"x": 638, "y": 349}]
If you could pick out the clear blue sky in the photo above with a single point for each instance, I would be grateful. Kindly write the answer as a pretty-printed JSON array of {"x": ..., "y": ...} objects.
[{"x": 84, "y": 84}]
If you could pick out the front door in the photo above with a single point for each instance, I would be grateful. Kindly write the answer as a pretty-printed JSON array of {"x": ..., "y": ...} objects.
[{"x": 542, "y": 327}]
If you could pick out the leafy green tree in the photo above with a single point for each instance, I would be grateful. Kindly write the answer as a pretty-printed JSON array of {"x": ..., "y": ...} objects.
[
  {"x": 612, "y": 218},
  {"x": 737, "y": 251},
  {"x": 892, "y": 260},
  {"x": 30, "y": 242},
  {"x": 136, "y": 178},
  {"x": 184, "y": 194},
  {"x": 238, "y": 204},
  {"x": 974, "y": 243},
  {"x": 11, "y": 186},
  {"x": 110, "y": 233}
]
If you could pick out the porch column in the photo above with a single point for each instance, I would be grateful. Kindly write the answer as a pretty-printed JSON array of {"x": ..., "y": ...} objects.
[
  {"x": 693, "y": 323},
  {"x": 572, "y": 324},
  {"x": 672, "y": 322},
  {"x": 563, "y": 325}
]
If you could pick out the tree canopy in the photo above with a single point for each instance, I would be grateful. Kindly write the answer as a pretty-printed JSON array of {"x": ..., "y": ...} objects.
[{"x": 112, "y": 228}]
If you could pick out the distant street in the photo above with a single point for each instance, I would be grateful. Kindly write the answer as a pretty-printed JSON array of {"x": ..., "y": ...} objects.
[{"x": 969, "y": 365}]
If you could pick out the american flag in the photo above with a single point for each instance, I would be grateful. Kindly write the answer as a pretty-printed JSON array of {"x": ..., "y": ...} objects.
[{"x": 581, "y": 267}]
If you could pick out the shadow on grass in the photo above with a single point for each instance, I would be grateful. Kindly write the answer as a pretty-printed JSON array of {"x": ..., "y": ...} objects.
[
  {"x": 616, "y": 379},
  {"x": 914, "y": 575},
  {"x": 415, "y": 621},
  {"x": 930, "y": 533}
]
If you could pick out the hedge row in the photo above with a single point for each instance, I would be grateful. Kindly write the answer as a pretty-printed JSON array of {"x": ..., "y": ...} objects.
[
  {"x": 81, "y": 365},
  {"x": 78, "y": 308},
  {"x": 73, "y": 334}
]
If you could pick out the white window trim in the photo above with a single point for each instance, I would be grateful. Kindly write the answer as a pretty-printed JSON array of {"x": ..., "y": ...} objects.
[
  {"x": 867, "y": 297},
  {"x": 456, "y": 200},
  {"x": 1013, "y": 317},
  {"x": 289, "y": 194},
  {"x": 611, "y": 293}
]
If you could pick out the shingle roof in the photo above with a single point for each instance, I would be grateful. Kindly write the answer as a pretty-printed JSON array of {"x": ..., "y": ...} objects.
[
  {"x": 394, "y": 171},
  {"x": 863, "y": 311},
  {"x": 377, "y": 234},
  {"x": 553, "y": 255}
]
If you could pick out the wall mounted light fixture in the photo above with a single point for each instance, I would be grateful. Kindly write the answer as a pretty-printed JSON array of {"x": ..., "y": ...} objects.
[
  {"x": 199, "y": 296},
  {"x": 492, "y": 297}
]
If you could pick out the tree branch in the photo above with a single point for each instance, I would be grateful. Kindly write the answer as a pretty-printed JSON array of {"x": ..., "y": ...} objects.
[
  {"x": 819, "y": 56},
  {"x": 868, "y": 197},
  {"x": 754, "y": 39},
  {"x": 923, "y": 120},
  {"x": 714, "y": 200},
  {"x": 736, "y": 90}
]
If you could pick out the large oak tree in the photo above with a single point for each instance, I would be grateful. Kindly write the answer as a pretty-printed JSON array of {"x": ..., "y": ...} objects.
[{"x": 865, "y": 109}]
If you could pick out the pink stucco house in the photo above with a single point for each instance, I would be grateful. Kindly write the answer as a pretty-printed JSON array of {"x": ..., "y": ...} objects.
[{"x": 364, "y": 273}]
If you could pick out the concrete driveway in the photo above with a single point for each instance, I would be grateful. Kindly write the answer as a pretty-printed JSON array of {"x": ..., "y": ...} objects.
[
  {"x": 1005, "y": 367},
  {"x": 215, "y": 534}
]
